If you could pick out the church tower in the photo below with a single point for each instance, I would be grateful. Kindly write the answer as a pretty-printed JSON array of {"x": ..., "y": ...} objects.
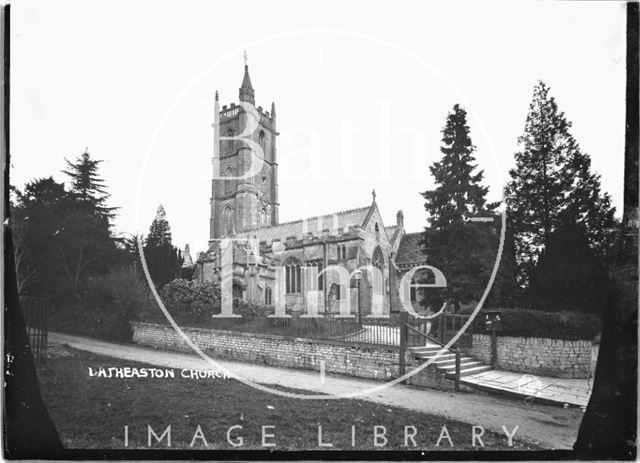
[{"x": 241, "y": 202}]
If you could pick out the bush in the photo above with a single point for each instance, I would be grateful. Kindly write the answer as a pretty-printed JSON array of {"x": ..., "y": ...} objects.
[
  {"x": 191, "y": 299},
  {"x": 250, "y": 310},
  {"x": 538, "y": 324},
  {"x": 110, "y": 303}
]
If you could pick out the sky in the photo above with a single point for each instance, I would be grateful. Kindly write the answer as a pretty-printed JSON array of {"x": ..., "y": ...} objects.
[{"x": 362, "y": 90}]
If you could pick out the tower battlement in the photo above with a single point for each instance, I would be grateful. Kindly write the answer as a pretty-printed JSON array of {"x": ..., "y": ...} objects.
[
  {"x": 232, "y": 111},
  {"x": 240, "y": 203}
]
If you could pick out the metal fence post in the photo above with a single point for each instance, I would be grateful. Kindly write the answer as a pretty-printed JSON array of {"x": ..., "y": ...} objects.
[
  {"x": 403, "y": 343},
  {"x": 457, "y": 381},
  {"x": 494, "y": 349}
]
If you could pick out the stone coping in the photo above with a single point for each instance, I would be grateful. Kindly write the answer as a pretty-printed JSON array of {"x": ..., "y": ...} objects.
[
  {"x": 276, "y": 337},
  {"x": 488, "y": 333}
]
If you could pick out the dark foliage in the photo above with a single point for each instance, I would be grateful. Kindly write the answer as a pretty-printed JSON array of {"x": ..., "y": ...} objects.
[
  {"x": 568, "y": 275},
  {"x": 111, "y": 302},
  {"x": 163, "y": 259},
  {"x": 87, "y": 185},
  {"x": 551, "y": 175},
  {"x": 60, "y": 240},
  {"x": 191, "y": 300},
  {"x": 464, "y": 251},
  {"x": 537, "y": 324}
]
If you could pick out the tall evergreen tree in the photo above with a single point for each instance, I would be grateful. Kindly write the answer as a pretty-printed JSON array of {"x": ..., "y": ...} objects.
[
  {"x": 552, "y": 174},
  {"x": 459, "y": 194},
  {"x": 63, "y": 242},
  {"x": 505, "y": 291},
  {"x": 163, "y": 259},
  {"x": 568, "y": 274},
  {"x": 160, "y": 231},
  {"x": 87, "y": 186},
  {"x": 464, "y": 251}
]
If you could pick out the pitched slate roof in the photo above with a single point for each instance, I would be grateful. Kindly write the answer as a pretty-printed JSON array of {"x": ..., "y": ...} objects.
[
  {"x": 410, "y": 250},
  {"x": 331, "y": 222},
  {"x": 391, "y": 232}
]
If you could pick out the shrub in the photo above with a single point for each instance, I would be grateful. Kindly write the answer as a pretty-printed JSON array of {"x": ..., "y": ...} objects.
[
  {"x": 191, "y": 299},
  {"x": 110, "y": 303},
  {"x": 119, "y": 296},
  {"x": 250, "y": 310},
  {"x": 538, "y": 324}
]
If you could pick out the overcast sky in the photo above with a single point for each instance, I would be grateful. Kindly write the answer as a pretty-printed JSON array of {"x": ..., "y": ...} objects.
[{"x": 362, "y": 90}]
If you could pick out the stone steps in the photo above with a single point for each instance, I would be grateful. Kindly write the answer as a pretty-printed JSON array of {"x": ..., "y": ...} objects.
[{"x": 446, "y": 361}]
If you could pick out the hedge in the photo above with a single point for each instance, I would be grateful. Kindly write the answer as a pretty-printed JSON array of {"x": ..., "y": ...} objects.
[
  {"x": 538, "y": 324},
  {"x": 110, "y": 303}
]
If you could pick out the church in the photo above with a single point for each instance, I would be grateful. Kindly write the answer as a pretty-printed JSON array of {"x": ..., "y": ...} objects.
[{"x": 245, "y": 207}]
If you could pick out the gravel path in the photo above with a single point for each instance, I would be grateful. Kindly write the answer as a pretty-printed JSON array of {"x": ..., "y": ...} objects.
[{"x": 549, "y": 426}]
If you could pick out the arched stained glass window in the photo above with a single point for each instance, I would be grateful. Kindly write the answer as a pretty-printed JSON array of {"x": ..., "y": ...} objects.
[
  {"x": 293, "y": 275},
  {"x": 377, "y": 260},
  {"x": 263, "y": 217}
]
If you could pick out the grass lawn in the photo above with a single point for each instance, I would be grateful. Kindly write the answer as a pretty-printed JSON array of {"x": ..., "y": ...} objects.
[{"x": 91, "y": 412}]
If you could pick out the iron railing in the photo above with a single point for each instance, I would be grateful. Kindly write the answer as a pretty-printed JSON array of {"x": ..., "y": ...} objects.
[
  {"x": 331, "y": 326},
  {"x": 36, "y": 312},
  {"x": 437, "y": 331}
]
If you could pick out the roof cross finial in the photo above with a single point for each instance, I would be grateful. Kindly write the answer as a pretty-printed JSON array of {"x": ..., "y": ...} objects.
[
  {"x": 246, "y": 59},
  {"x": 373, "y": 195}
]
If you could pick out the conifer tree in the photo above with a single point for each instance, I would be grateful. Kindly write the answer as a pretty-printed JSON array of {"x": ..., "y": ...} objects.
[
  {"x": 568, "y": 274},
  {"x": 160, "y": 231},
  {"x": 552, "y": 174},
  {"x": 87, "y": 186},
  {"x": 64, "y": 243},
  {"x": 163, "y": 259},
  {"x": 464, "y": 251},
  {"x": 459, "y": 194}
]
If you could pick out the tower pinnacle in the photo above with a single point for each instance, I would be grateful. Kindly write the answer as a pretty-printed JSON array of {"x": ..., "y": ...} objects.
[{"x": 246, "y": 89}]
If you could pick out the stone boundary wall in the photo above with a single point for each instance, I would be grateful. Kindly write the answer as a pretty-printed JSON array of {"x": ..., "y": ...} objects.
[
  {"x": 361, "y": 360},
  {"x": 542, "y": 356}
]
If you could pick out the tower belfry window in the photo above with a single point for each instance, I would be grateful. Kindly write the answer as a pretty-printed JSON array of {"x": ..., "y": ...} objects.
[
  {"x": 229, "y": 143},
  {"x": 262, "y": 139},
  {"x": 228, "y": 184},
  {"x": 228, "y": 220}
]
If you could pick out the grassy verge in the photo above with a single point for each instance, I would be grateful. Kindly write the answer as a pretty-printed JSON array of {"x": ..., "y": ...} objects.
[{"x": 91, "y": 412}]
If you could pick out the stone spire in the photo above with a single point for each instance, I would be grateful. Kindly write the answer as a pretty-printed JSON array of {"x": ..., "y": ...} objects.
[
  {"x": 186, "y": 255},
  {"x": 246, "y": 90},
  {"x": 273, "y": 116}
]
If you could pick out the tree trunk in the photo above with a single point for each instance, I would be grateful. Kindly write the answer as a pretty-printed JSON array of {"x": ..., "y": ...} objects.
[{"x": 608, "y": 428}]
